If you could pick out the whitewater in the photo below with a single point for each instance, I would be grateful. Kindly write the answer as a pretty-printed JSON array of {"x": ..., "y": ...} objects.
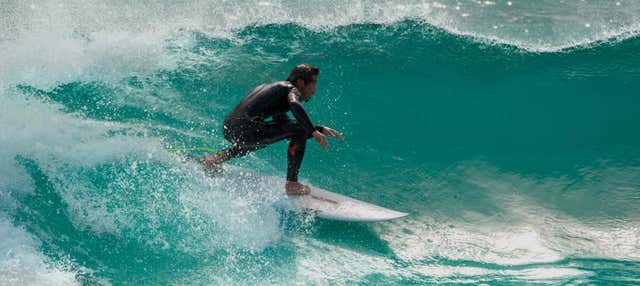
[{"x": 508, "y": 130}]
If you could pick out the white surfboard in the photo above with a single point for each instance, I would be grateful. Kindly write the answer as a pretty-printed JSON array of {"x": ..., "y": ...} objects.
[{"x": 334, "y": 206}]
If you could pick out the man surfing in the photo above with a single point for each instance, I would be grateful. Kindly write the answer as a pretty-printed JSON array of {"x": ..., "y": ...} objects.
[{"x": 261, "y": 119}]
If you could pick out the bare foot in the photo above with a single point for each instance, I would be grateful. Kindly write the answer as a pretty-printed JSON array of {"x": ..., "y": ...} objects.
[
  {"x": 212, "y": 163},
  {"x": 296, "y": 189}
]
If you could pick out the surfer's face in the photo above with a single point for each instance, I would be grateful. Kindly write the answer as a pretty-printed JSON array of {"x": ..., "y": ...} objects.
[{"x": 307, "y": 90}]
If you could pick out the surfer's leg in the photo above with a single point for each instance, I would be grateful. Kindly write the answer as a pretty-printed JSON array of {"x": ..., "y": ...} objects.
[
  {"x": 248, "y": 137},
  {"x": 275, "y": 131},
  {"x": 266, "y": 134},
  {"x": 244, "y": 139},
  {"x": 295, "y": 154}
]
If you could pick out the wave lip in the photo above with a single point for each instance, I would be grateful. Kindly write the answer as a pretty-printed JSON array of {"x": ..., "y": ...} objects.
[
  {"x": 60, "y": 41},
  {"x": 82, "y": 31}
]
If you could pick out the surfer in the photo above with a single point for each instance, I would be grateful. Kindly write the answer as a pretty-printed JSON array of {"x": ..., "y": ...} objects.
[{"x": 261, "y": 119}]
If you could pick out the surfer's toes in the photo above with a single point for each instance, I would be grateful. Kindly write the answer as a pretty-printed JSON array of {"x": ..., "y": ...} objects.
[
  {"x": 210, "y": 164},
  {"x": 207, "y": 159},
  {"x": 296, "y": 189}
]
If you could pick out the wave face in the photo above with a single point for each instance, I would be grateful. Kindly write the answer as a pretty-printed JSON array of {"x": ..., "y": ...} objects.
[{"x": 507, "y": 129}]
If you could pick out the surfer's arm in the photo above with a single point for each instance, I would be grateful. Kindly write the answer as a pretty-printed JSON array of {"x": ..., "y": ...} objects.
[{"x": 298, "y": 111}]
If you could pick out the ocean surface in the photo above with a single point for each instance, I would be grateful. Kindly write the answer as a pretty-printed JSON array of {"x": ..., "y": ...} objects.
[{"x": 509, "y": 130}]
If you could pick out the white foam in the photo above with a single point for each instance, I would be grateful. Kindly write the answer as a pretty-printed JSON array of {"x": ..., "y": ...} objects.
[
  {"x": 39, "y": 131},
  {"x": 323, "y": 262},
  {"x": 21, "y": 263},
  {"x": 59, "y": 41},
  {"x": 479, "y": 213},
  {"x": 468, "y": 274},
  {"x": 46, "y": 58},
  {"x": 234, "y": 211},
  {"x": 319, "y": 262},
  {"x": 231, "y": 213}
]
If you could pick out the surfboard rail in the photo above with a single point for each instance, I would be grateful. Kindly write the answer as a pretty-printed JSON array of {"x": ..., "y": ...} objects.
[{"x": 333, "y": 206}]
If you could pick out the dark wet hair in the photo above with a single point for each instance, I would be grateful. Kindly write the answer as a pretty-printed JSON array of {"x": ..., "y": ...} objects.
[{"x": 304, "y": 72}]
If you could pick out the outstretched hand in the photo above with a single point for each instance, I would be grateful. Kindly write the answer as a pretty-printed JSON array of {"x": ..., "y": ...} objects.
[
  {"x": 321, "y": 137},
  {"x": 330, "y": 132}
]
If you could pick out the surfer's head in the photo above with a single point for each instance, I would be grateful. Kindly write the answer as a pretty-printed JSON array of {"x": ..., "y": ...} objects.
[{"x": 304, "y": 78}]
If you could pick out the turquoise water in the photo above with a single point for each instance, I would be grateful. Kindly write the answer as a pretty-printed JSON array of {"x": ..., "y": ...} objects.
[{"x": 507, "y": 129}]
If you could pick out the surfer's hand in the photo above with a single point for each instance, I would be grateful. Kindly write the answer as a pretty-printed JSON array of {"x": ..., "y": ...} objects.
[
  {"x": 330, "y": 132},
  {"x": 322, "y": 140}
]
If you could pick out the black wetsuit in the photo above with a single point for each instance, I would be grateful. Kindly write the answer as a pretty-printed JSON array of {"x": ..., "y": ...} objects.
[{"x": 248, "y": 129}]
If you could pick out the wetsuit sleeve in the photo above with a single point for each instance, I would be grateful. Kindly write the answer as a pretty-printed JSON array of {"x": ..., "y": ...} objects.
[
  {"x": 280, "y": 117},
  {"x": 298, "y": 111}
]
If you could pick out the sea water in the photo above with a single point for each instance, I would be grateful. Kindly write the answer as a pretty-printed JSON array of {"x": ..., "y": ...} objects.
[{"x": 509, "y": 130}]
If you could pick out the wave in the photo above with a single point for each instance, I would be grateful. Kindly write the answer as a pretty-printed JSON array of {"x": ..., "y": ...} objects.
[
  {"x": 104, "y": 192},
  {"x": 92, "y": 38},
  {"x": 113, "y": 56},
  {"x": 476, "y": 212},
  {"x": 93, "y": 93}
]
